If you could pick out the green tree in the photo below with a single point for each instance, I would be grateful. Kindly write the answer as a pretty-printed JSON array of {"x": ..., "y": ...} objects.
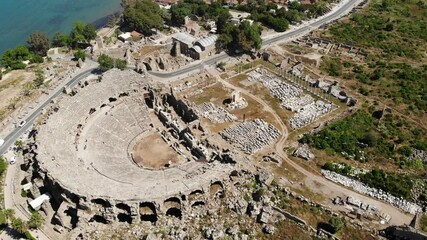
[
  {"x": 105, "y": 62},
  {"x": 143, "y": 16},
  {"x": 61, "y": 40},
  {"x": 243, "y": 38},
  {"x": 223, "y": 18},
  {"x": 19, "y": 225},
  {"x": 89, "y": 32},
  {"x": 80, "y": 54},
  {"x": 36, "y": 220},
  {"x": 27, "y": 88},
  {"x": 82, "y": 34},
  {"x": 39, "y": 43},
  {"x": 36, "y": 59},
  {"x": 178, "y": 14},
  {"x": 251, "y": 37},
  {"x": 13, "y": 58},
  {"x": 405, "y": 150},
  {"x": 9, "y": 214},
  {"x": 336, "y": 223},
  {"x": 38, "y": 82},
  {"x": 120, "y": 64},
  {"x": 19, "y": 144},
  {"x": 3, "y": 165}
]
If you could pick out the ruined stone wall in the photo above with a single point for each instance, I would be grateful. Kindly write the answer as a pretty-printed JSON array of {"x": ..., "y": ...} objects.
[{"x": 181, "y": 108}]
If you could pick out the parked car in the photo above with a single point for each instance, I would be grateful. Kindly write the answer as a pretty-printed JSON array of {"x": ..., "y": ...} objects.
[
  {"x": 12, "y": 160},
  {"x": 22, "y": 123}
]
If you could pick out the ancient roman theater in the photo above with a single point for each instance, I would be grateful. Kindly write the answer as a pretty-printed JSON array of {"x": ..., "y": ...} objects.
[{"x": 120, "y": 150}]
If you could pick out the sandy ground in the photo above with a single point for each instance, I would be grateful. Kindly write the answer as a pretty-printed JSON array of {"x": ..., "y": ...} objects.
[
  {"x": 153, "y": 152},
  {"x": 11, "y": 85}
]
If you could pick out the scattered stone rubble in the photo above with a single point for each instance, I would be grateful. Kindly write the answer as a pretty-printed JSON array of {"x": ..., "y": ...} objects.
[
  {"x": 304, "y": 152},
  {"x": 277, "y": 88},
  {"x": 292, "y": 98},
  {"x": 251, "y": 136},
  {"x": 215, "y": 114},
  {"x": 332, "y": 48},
  {"x": 309, "y": 114},
  {"x": 372, "y": 192},
  {"x": 272, "y": 157},
  {"x": 297, "y": 103},
  {"x": 418, "y": 154}
]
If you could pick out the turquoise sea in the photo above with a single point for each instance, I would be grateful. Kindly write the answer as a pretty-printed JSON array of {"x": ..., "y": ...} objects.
[{"x": 19, "y": 18}]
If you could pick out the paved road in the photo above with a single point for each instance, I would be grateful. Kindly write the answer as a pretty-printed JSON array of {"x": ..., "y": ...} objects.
[
  {"x": 343, "y": 9},
  {"x": 289, "y": 35},
  {"x": 17, "y": 132},
  {"x": 12, "y": 169}
]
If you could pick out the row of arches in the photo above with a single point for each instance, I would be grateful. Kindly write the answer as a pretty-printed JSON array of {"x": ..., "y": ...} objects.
[{"x": 149, "y": 212}]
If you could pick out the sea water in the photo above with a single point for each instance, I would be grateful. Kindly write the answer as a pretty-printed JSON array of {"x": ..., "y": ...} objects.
[{"x": 19, "y": 18}]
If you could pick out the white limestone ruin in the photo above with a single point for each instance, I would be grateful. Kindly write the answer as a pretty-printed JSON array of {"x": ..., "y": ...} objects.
[
  {"x": 84, "y": 160},
  {"x": 251, "y": 136},
  {"x": 237, "y": 101},
  {"x": 406, "y": 206},
  {"x": 215, "y": 114},
  {"x": 292, "y": 98}
]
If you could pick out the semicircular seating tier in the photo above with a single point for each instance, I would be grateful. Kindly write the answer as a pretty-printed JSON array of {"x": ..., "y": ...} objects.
[{"x": 84, "y": 146}]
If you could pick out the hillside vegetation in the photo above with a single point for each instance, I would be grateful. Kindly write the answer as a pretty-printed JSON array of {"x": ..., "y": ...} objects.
[
  {"x": 368, "y": 137},
  {"x": 394, "y": 34}
]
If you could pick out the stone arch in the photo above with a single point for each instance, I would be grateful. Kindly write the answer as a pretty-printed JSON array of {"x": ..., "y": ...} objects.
[
  {"x": 147, "y": 66},
  {"x": 147, "y": 212},
  {"x": 196, "y": 194},
  {"x": 175, "y": 212},
  {"x": 172, "y": 206},
  {"x": 198, "y": 203},
  {"x": 123, "y": 206},
  {"x": 98, "y": 219},
  {"x": 123, "y": 94},
  {"x": 216, "y": 188},
  {"x": 102, "y": 202},
  {"x": 124, "y": 213},
  {"x": 172, "y": 201}
]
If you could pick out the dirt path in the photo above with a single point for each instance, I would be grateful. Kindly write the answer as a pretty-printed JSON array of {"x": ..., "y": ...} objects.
[{"x": 318, "y": 183}]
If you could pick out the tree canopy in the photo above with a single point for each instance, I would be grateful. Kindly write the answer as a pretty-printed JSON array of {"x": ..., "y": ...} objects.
[
  {"x": 143, "y": 15},
  {"x": 106, "y": 63},
  {"x": 243, "y": 38},
  {"x": 19, "y": 225},
  {"x": 82, "y": 34},
  {"x": 61, "y": 40},
  {"x": 80, "y": 54},
  {"x": 36, "y": 220},
  {"x": 213, "y": 11},
  {"x": 13, "y": 58},
  {"x": 39, "y": 43}
]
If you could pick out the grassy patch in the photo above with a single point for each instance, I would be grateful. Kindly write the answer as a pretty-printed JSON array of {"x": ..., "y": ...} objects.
[
  {"x": 394, "y": 34},
  {"x": 364, "y": 137}
]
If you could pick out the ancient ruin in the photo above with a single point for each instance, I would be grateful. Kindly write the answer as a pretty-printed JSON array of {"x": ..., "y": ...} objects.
[{"x": 104, "y": 134}]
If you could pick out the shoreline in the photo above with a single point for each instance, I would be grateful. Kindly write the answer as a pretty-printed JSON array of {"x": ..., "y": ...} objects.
[
  {"x": 102, "y": 22},
  {"x": 98, "y": 24}
]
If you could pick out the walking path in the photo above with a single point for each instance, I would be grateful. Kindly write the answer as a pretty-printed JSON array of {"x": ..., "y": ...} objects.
[{"x": 318, "y": 183}]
